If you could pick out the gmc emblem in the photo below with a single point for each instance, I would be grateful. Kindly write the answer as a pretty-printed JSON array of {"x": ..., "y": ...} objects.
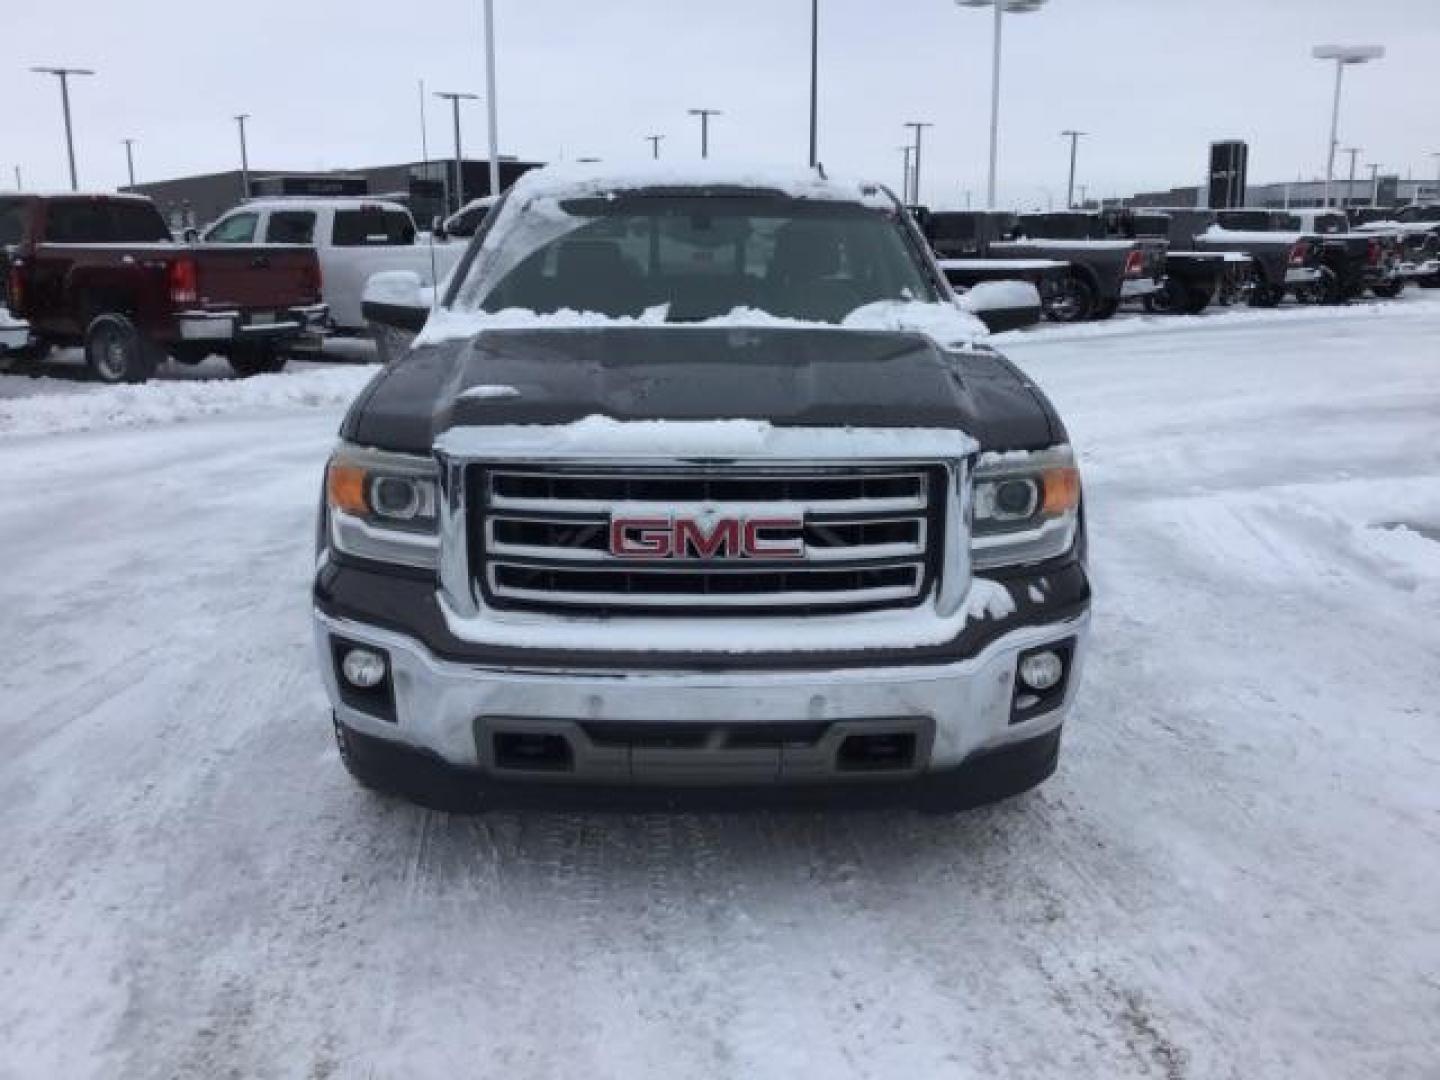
[{"x": 714, "y": 538}]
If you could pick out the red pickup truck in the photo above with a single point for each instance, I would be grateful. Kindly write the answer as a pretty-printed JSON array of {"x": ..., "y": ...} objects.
[{"x": 102, "y": 272}]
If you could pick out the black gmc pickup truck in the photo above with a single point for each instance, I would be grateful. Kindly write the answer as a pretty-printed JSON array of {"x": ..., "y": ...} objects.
[{"x": 702, "y": 483}]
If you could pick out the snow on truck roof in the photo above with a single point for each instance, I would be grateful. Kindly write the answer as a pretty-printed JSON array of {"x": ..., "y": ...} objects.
[
  {"x": 302, "y": 202},
  {"x": 581, "y": 180}
]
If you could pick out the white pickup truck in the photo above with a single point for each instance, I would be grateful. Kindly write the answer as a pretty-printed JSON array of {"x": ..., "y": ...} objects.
[{"x": 353, "y": 238}]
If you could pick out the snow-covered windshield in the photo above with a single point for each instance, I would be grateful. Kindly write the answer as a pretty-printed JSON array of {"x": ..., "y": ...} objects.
[{"x": 697, "y": 257}]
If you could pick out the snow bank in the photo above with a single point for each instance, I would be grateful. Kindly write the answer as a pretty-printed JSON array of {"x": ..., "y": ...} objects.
[{"x": 62, "y": 406}]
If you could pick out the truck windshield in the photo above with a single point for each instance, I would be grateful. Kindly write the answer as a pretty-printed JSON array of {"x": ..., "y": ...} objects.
[{"x": 697, "y": 258}]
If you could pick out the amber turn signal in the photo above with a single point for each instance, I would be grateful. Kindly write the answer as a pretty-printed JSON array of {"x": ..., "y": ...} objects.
[
  {"x": 1062, "y": 489},
  {"x": 345, "y": 487}
]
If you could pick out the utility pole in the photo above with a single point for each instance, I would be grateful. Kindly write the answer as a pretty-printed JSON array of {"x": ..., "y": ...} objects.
[
  {"x": 919, "y": 126},
  {"x": 455, "y": 97},
  {"x": 814, "y": 80},
  {"x": 63, "y": 74},
  {"x": 905, "y": 196},
  {"x": 491, "y": 103},
  {"x": 655, "y": 145},
  {"x": 130, "y": 159},
  {"x": 1374, "y": 183},
  {"x": 704, "y": 115},
  {"x": 244, "y": 159},
  {"x": 1074, "y": 137},
  {"x": 1354, "y": 152}
]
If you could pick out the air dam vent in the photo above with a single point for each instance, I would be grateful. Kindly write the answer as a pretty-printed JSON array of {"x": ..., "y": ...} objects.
[{"x": 706, "y": 539}]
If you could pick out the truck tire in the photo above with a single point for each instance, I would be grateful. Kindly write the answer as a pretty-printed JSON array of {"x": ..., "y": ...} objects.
[
  {"x": 117, "y": 352},
  {"x": 1104, "y": 310},
  {"x": 1325, "y": 290},
  {"x": 1177, "y": 298},
  {"x": 1073, "y": 302},
  {"x": 256, "y": 360},
  {"x": 1265, "y": 295},
  {"x": 1388, "y": 291}
]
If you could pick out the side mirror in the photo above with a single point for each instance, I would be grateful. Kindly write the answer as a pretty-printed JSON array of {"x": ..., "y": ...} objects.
[
  {"x": 395, "y": 306},
  {"x": 1003, "y": 305}
]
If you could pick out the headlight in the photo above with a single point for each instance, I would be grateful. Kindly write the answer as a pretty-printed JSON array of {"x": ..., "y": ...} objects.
[
  {"x": 1026, "y": 506},
  {"x": 383, "y": 506}
]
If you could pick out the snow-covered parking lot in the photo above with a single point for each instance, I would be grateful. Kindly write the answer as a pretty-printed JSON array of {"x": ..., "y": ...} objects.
[{"x": 1234, "y": 874}]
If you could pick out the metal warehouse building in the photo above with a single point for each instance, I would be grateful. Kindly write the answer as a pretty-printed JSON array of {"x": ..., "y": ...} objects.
[{"x": 427, "y": 188}]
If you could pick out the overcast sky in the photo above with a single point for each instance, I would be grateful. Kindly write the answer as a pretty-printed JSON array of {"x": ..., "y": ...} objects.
[{"x": 331, "y": 85}]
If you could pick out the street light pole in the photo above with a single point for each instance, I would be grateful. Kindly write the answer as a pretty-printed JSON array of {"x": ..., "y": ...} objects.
[
  {"x": 244, "y": 159},
  {"x": 919, "y": 126},
  {"x": 704, "y": 115},
  {"x": 130, "y": 159},
  {"x": 655, "y": 145},
  {"x": 1342, "y": 55},
  {"x": 1374, "y": 183},
  {"x": 455, "y": 97},
  {"x": 490, "y": 101},
  {"x": 906, "y": 150},
  {"x": 1002, "y": 8},
  {"x": 1354, "y": 152},
  {"x": 814, "y": 80},
  {"x": 63, "y": 74},
  {"x": 1074, "y": 137}
]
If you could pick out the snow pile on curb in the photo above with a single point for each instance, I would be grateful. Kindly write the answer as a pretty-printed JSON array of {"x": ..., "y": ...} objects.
[{"x": 161, "y": 402}]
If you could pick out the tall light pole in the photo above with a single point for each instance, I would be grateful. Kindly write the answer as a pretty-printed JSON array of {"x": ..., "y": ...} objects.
[
  {"x": 1342, "y": 55},
  {"x": 906, "y": 150},
  {"x": 490, "y": 102},
  {"x": 655, "y": 145},
  {"x": 1374, "y": 183},
  {"x": 1354, "y": 152},
  {"x": 704, "y": 115},
  {"x": 244, "y": 158},
  {"x": 455, "y": 97},
  {"x": 1074, "y": 137},
  {"x": 63, "y": 74},
  {"x": 919, "y": 127},
  {"x": 130, "y": 159},
  {"x": 1002, "y": 8},
  {"x": 814, "y": 80}
]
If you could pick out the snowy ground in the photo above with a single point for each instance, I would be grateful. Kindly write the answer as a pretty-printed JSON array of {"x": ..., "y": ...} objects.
[{"x": 1234, "y": 874}]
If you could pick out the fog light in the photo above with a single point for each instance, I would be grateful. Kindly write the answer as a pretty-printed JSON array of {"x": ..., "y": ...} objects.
[
  {"x": 1041, "y": 671},
  {"x": 363, "y": 668}
]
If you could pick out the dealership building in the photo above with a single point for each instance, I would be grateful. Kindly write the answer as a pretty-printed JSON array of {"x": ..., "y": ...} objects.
[
  {"x": 428, "y": 188},
  {"x": 1299, "y": 194}
]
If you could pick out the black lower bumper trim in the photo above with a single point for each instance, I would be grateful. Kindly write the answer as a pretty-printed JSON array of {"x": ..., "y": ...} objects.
[{"x": 427, "y": 779}]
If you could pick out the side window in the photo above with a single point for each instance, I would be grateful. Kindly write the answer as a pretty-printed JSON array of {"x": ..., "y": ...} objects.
[
  {"x": 75, "y": 222},
  {"x": 235, "y": 229},
  {"x": 367, "y": 226},
  {"x": 135, "y": 223},
  {"x": 290, "y": 227}
]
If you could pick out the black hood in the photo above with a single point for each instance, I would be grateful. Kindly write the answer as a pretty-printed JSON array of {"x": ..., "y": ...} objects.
[{"x": 789, "y": 377}]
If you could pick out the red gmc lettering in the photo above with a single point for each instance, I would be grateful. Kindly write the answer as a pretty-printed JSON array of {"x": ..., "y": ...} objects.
[
  {"x": 723, "y": 538},
  {"x": 641, "y": 538}
]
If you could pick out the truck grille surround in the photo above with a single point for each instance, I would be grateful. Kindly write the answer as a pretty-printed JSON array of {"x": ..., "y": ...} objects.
[{"x": 857, "y": 537}]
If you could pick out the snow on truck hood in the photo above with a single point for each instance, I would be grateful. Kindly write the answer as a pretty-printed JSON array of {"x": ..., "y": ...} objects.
[{"x": 950, "y": 326}]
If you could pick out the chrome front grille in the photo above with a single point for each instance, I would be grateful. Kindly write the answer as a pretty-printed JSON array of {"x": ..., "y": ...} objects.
[{"x": 866, "y": 537}]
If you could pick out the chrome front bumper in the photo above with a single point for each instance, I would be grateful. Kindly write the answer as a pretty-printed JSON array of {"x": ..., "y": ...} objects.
[
  {"x": 1426, "y": 269},
  {"x": 232, "y": 325},
  {"x": 451, "y": 709},
  {"x": 1302, "y": 275}
]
